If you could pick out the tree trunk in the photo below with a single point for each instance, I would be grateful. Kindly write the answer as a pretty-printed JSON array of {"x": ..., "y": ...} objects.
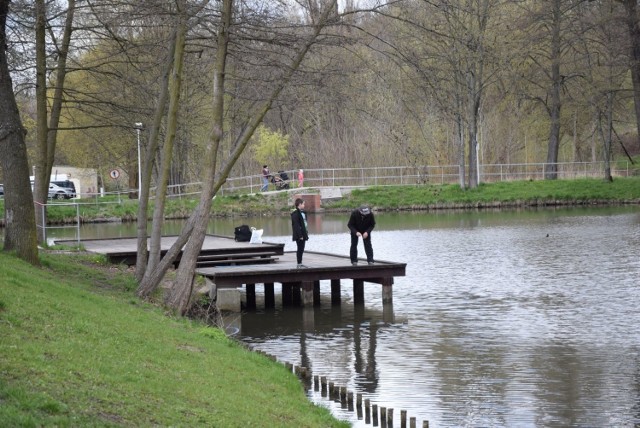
[
  {"x": 634, "y": 56},
  {"x": 41, "y": 183},
  {"x": 47, "y": 134},
  {"x": 180, "y": 295},
  {"x": 608, "y": 138},
  {"x": 147, "y": 168},
  {"x": 20, "y": 226},
  {"x": 175, "y": 83},
  {"x": 473, "y": 94},
  {"x": 551, "y": 168},
  {"x": 460, "y": 142}
]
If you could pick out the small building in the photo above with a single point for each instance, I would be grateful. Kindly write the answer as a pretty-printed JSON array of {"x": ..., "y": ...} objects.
[{"x": 85, "y": 179}]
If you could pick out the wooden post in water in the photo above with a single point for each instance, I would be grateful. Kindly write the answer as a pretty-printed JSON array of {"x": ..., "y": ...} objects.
[
  {"x": 390, "y": 417},
  {"x": 367, "y": 411},
  {"x": 412, "y": 422},
  {"x": 425, "y": 424},
  {"x": 335, "y": 291},
  {"x": 296, "y": 292},
  {"x": 287, "y": 294},
  {"x": 387, "y": 290},
  {"x": 358, "y": 291},
  {"x": 374, "y": 414},
  {"x": 251, "y": 296},
  {"x": 316, "y": 293},
  {"x": 403, "y": 419},
  {"x": 383, "y": 415},
  {"x": 269, "y": 295}
]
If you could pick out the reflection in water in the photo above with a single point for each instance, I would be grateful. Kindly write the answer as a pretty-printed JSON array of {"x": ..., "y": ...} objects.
[
  {"x": 314, "y": 330},
  {"x": 516, "y": 318}
]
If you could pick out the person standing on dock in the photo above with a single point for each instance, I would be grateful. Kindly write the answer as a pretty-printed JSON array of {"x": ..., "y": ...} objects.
[
  {"x": 299, "y": 229},
  {"x": 361, "y": 223}
]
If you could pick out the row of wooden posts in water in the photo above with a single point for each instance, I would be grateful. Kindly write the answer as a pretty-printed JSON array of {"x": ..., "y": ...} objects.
[{"x": 340, "y": 394}]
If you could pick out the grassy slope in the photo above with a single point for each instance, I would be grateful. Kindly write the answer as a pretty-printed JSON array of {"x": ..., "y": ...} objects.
[
  {"x": 77, "y": 349},
  {"x": 506, "y": 193}
]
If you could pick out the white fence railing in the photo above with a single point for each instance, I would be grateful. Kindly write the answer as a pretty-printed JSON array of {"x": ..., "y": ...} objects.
[
  {"x": 389, "y": 176},
  {"x": 407, "y": 175}
]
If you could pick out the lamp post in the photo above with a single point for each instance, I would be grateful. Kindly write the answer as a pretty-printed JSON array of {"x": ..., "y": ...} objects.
[{"x": 138, "y": 127}]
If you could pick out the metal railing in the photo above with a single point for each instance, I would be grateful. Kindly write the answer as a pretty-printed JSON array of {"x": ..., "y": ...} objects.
[
  {"x": 415, "y": 175},
  {"x": 388, "y": 176},
  {"x": 41, "y": 223}
]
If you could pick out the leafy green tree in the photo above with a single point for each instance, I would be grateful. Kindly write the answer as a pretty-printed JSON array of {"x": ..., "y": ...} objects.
[{"x": 271, "y": 147}]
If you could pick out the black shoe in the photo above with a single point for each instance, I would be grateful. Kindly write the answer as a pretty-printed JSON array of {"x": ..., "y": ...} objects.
[
  {"x": 370, "y": 263},
  {"x": 354, "y": 263}
]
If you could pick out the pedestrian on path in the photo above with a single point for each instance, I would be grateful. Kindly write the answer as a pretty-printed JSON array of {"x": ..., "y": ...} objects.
[
  {"x": 361, "y": 223},
  {"x": 300, "y": 178},
  {"x": 265, "y": 178},
  {"x": 299, "y": 229}
]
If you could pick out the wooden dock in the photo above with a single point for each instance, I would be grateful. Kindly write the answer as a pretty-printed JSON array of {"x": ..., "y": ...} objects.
[
  {"x": 300, "y": 284},
  {"x": 228, "y": 265},
  {"x": 216, "y": 250}
]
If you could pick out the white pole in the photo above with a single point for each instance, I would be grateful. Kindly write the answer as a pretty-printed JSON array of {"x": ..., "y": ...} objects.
[{"x": 138, "y": 128}]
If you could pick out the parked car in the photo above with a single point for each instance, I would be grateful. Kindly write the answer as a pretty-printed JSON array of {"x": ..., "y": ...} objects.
[
  {"x": 57, "y": 192},
  {"x": 66, "y": 184}
]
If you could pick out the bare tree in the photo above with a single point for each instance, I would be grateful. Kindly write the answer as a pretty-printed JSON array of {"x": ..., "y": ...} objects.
[
  {"x": 179, "y": 297},
  {"x": 47, "y": 124}
]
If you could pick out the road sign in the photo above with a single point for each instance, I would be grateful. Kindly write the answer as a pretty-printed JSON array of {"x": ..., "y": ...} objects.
[{"x": 114, "y": 174}]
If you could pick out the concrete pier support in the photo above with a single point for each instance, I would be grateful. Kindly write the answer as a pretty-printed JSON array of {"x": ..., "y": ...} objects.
[
  {"x": 307, "y": 293},
  {"x": 212, "y": 288},
  {"x": 387, "y": 290},
  {"x": 228, "y": 299}
]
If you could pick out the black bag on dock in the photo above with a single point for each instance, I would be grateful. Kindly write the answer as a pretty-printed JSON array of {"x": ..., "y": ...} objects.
[{"x": 243, "y": 233}]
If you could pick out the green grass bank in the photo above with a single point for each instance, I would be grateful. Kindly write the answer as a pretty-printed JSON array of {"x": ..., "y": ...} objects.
[
  {"x": 77, "y": 348},
  {"x": 383, "y": 198}
]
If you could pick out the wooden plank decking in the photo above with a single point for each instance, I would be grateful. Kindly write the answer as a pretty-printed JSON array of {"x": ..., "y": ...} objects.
[
  {"x": 227, "y": 264},
  {"x": 124, "y": 250},
  {"x": 320, "y": 266}
]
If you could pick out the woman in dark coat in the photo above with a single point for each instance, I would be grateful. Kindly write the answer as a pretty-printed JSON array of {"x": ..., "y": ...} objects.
[{"x": 299, "y": 229}]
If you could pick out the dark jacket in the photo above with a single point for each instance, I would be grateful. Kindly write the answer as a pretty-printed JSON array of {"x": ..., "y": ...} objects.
[
  {"x": 298, "y": 227},
  {"x": 361, "y": 223}
]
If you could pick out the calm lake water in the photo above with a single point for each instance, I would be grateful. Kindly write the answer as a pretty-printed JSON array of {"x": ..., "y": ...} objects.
[{"x": 504, "y": 319}]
